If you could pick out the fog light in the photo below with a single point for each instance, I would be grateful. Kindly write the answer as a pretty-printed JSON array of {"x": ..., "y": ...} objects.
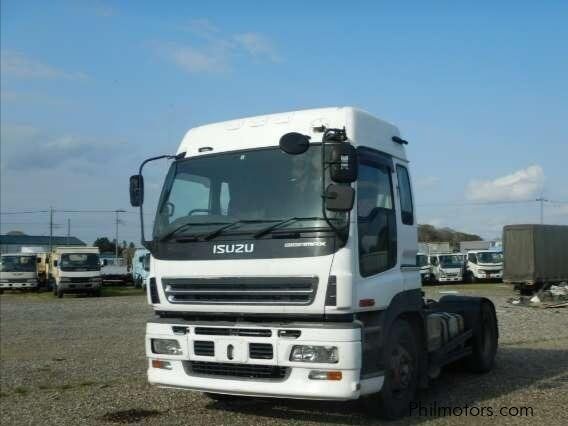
[
  {"x": 308, "y": 353},
  {"x": 164, "y": 365},
  {"x": 166, "y": 347},
  {"x": 325, "y": 375}
]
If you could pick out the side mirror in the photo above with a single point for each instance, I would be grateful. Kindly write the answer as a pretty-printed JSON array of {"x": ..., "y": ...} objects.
[
  {"x": 339, "y": 198},
  {"x": 136, "y": 190},
  {"x": 343, "y": 163},
  {"x": 294, "y": 143}
]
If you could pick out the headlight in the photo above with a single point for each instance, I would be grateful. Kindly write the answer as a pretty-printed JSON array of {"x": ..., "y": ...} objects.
[
  {"x": 166, "y": 347},
  {"x": 305, "y": 353}
]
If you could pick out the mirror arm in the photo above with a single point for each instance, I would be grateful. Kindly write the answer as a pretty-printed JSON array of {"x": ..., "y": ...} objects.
[{"x": 159, "y": 157}]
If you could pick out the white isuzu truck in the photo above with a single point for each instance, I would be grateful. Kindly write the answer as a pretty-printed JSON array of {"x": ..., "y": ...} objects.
[
  {"x": 75, "y": 269},
  {"x": 18, "y": 271},
  {"x": 447, "y": 267},
  {"x": 283, "y": 264}
]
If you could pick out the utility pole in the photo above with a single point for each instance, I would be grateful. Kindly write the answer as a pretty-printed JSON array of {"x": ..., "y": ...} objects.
[
  {"x": 542, "y": 200},
  {"x": 50, "y": 228},
  {"x": 117, "y": 221}
]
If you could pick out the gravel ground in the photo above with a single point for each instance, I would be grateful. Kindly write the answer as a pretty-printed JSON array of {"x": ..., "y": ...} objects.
[{"x": 81, "y": 360}]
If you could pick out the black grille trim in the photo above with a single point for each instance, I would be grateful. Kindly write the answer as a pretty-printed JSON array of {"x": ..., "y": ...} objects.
[
  {"x": 204, "y": 348},
  {"x": 153, "y": 288},
  {"x": 225, "y": 331},
  {"x": 260, "y": 351},
  {"x": 245, "y": 371},
  {"x": 241, "y": 290}
]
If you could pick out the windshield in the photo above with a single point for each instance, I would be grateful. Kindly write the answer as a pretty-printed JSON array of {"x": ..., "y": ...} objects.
[
  {"x": 256, "y": 187},
  {"x": 490, "y": 257},
  {"x": 421, "y": 260},
  {"x": 80, "y": 262},
  {"x": 451, "y": 261},
  {"x": 18, "y": 264}
]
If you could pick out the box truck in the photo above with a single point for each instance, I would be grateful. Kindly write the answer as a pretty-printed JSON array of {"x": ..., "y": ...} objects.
[
  {"x": 283, "y": 264},
  {"x": 535, "y": 255},
  {"x": 42, "y": 258},
  {"x": 423, "y": 262},
  {"x": 75, "y": 270},
  {"x": 18, "y": 271}
]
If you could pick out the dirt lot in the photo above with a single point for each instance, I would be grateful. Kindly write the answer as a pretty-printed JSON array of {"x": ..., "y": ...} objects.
[{"x": 81, "y": 360}]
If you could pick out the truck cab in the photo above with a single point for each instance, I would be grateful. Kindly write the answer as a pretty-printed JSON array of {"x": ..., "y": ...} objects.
[
  {"x": 18, "y": 271},
  {"x": 484, "y": 265},
  {"x": 75, "y": 270},
  {"x": 423, "y": 262},
  {"x": 447, "y": 267},
  {"x": 283, "y": 264}
]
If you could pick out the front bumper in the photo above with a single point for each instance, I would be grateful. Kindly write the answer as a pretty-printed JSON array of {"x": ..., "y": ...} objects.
[
  {"x": 18, "y": 284},
  {"x": 80, "y": 286},
  {"x": 450, "y": 279},
  {"x": 489, "y": 276},
  {"x": 294, "y": 381}
]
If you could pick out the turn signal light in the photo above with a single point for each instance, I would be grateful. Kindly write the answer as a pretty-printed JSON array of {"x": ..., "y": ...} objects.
[
  {"x": 158, "y": 363},
  {"x": 365, "y": 303},
  {"x": 325, "y": 375}
]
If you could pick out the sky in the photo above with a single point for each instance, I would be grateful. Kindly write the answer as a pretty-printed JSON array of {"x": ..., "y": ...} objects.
[{"x": 89, "y": 89}]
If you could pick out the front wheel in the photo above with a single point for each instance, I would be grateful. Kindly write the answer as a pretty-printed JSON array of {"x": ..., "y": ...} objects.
[
  {"x": 401, "y": 375},
  {"x": 59, "y": 292}
]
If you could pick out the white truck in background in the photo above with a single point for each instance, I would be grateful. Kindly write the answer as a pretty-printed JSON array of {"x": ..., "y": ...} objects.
[
  {"x": 75, "y": 269},
  {"x": 18, "y": 271},
  {"x": 283, "y": 264},
  {"x": 484, "y": 265},
  {"x": 423, "y": 262},
  {"x": 447, "y": 267},
  {"x": 140, "y": 267},
  {"x": 41, "y": 265}
]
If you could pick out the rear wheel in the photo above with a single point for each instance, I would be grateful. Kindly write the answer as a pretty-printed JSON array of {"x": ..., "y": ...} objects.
[
  {"x": 401, "y": 375},
  {"x": 484, "y": 341}
]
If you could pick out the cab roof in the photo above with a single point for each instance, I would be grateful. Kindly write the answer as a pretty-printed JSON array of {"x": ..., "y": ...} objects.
[{"x": 362, "y": 129}]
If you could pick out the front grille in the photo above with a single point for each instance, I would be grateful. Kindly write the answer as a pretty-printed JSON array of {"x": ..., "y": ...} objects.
[
  {"x": 241, "y": 290},
  {"x": 246, "y": 371},
  {"x": 225, "y": 331},
  {"x": 204, "y": 348},
  {"x": 17, "y": 280},
  {"x": 260, "y": 351},
  {"x": 80, "y": 279}
]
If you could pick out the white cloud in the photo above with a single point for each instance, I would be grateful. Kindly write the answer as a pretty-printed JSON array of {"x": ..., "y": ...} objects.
[
  {"x": 194, "y": 60},
  {"x": 257, "y": 45},
  {"x": 17, "y": 64},
  {"x": 524, "y": 184},
  {"x": 211, "y": 51}
]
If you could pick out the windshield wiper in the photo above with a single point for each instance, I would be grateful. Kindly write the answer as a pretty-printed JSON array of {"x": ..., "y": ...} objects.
[
  {"x": 281, "y": 223},
  {"x": 220, "y": 230},
  {"x": 187, "y": 225}
]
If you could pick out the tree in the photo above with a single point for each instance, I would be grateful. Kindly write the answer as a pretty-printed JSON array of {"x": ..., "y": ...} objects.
[
  {"x": 15, "y": 232},
  {"x": 104, "y": 244}
]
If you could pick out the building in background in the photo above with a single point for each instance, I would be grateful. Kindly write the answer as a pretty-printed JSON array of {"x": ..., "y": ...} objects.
[{"x": 14, "y": 243}]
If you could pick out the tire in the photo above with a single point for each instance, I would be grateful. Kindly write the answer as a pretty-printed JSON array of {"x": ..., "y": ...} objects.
[
  {"x": 138, "y": 282},
  {"x": 54, "y": 289},
  {"x": 401, "y": 375},
  {"x": 484, "y": 341},
  {"x": 59, "y": 293}
]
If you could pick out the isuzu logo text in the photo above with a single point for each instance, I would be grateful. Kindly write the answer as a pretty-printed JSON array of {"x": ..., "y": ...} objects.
[{"x": 233, "y": 248}]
